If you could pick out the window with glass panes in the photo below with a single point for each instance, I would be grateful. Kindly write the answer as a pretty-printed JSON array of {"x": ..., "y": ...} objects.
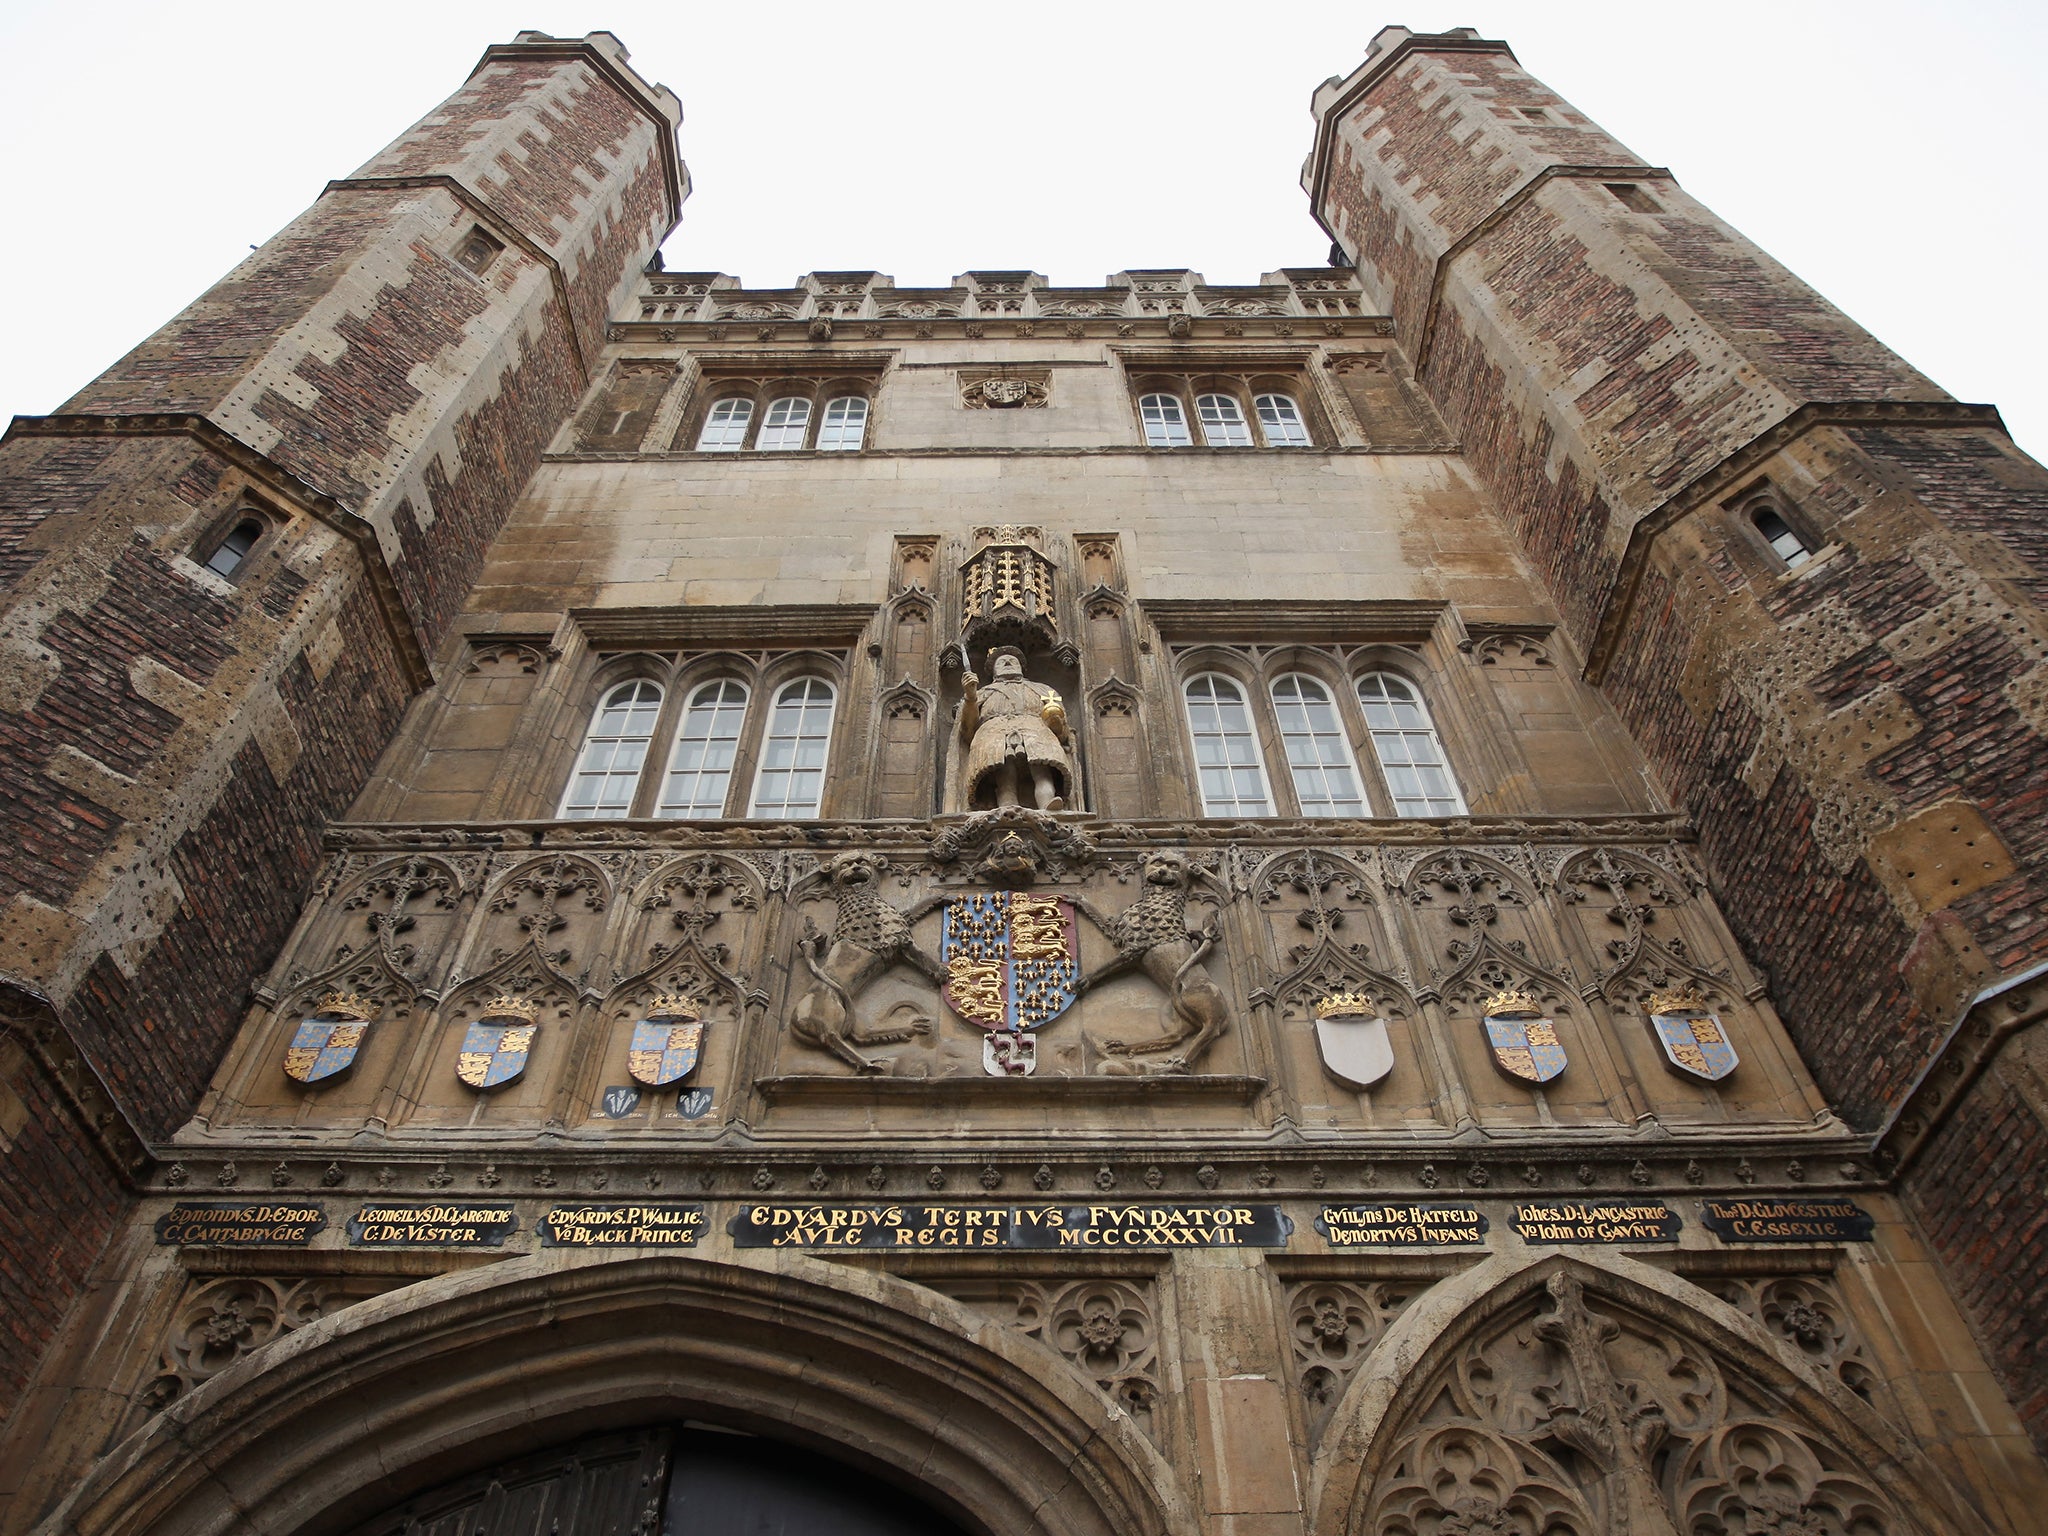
[
  {"x": 845, "y": 424},
  {"x": 1318, "y": 756},
  {"x": 1280, "y": 421},
  {"x": 1223, "y": 423},
  {"x": 791, "y": 779},
  {"x": 614, "y": 751},
  {"x": 725, "y": 427},
  {"x": 700, "y": 768},
  {"x": 1227, "y": 761},
  {"x": 1166, "y": 424},
  {"x": 1411, "y": 758},
  {"x": 786, "y": 425}
]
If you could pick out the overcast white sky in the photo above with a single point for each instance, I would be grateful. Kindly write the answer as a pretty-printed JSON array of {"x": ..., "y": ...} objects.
[{"x": 1890, "y": 153}]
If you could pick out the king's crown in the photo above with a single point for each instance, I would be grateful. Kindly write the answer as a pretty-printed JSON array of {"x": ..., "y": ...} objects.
[
  {"x": 1344, "y": 1005},
  {"x": 507, "y": 1006}
]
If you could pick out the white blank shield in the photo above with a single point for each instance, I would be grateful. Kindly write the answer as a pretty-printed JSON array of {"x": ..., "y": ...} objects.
[{"x": 1356, "y": 1051}]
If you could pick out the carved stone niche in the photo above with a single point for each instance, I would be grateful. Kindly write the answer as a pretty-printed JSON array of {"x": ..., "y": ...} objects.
[
  {"x": 1013, "y": 847},
  {"x": 1010, "y": 389},
  {"x": 1007, "y": 593}
]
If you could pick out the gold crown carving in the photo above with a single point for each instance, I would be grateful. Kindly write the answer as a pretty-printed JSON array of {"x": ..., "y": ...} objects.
[
  {"x": 1686, "y": 995},
  {"x": 506, "y": 1006},
  {"x": 1512, "y": 1000},
  {"x": 350, "y": 1005},
  {"x": 1343, "y": 1005},
  {"x": 675, "y": 1005}
]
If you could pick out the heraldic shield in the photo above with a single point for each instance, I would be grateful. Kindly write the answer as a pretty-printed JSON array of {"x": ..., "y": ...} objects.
[
  {"x": 326, "y": 1041},
  {"x": 1525, "y": 1044},
  {"x": 1353, "y": 1039},
  {"x": 665, "y": 1043},
  {"x": 1694, "y": 1039},
  {"x": 1013, "y": 959},
  {"x": 495, "y": 1049}
]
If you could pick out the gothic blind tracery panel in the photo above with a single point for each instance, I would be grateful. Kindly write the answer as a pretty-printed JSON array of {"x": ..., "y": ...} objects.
[{"x": 608, "y": 769}]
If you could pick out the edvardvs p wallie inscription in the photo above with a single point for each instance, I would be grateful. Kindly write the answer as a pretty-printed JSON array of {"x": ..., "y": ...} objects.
[
  {"x": 1786, "y": 1221},
  {"x": 1597, "y": 1221},
  {"x": 240, "y": 1226},
  {"x": 1003, "y": 1226},
  {"x": 1401, "y": 1226},
  {"x": 613, "y": 1225},
  {"x": 432, "y": 1226}
]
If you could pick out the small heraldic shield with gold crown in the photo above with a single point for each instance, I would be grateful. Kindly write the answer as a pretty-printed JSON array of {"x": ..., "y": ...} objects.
[
  {"x": 495, "y": 1049},
  {"x": 665, "y": 1043},
  {"x": 1694, "y": 1039},
  {"x": 327, "y": 1039},
  {"x": 1525, "y": 1043},
  {"x": 1353, "y": 1039}
]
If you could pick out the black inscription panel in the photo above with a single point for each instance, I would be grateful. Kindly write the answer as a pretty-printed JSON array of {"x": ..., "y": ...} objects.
[
  {"x": 1786, "y": 1221},
  {"x": 1597, "y": 1221},
  {"x": 1401, "y": 1226},
  {"x": 599, "y": 1224},
  {"x": 453, "y": 1225},
  {"x": 1002, "y": 1226},
  {"x": 285, "y": 1224}
]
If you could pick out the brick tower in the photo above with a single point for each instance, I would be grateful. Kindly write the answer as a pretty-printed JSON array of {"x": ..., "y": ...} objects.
[
  {"x": 351, "y": 412},
  {"x": 1854, "y": 718}
]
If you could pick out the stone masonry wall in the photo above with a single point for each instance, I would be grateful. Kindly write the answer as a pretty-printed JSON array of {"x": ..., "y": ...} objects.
[{"x": 175, "y": 742}]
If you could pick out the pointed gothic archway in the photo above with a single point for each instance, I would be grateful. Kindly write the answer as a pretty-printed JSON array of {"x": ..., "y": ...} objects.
[
  {"x": 332, "y": 1425},
  {"x": 1578, "y": 1395}
]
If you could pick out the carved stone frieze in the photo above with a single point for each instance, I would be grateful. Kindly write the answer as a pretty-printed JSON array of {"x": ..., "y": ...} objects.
[{"x": 1013, "y": 846}]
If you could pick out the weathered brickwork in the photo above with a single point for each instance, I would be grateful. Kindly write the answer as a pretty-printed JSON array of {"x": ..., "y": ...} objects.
[
  {"x": 1598, "y": 362},
  {"x": 174, "y": 744},
  {"x": 1977, "y": 1190},
  {"x": 502, "y": 442}
]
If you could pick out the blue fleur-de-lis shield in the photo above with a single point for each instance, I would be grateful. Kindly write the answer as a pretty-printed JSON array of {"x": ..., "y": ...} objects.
[
  {"x": 663, "y": 1051},
  {"x": 1695, "y": 1042},
  {"x": 323, "y": 1046},
  {"x": 494, "y": 1051},
  {"x": 1525, "y": 1046},
  {"x": 1013, "y": 958}
]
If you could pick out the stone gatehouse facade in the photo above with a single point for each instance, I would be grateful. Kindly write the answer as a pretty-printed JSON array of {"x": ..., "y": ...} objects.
[{"x": 1405, "y": 900}]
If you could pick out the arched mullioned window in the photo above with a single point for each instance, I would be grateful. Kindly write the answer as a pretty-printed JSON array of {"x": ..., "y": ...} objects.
[
  {"x": 791, "y": 778},
  {"x": 725, "y": 425},
  {"x": 845, "y": 426},
  {"x": 1223, "y": 423},
  {"x": 700, "y": 768},
  {"x": 1233, "y": 777},
  {"x": 787, "y": 424},
  {"x": 608, "y": 769},
  {"x": 1280, "y": 419},
  {"x": 228, "y": 555},
  {"x": 1318, "y": 756},
  {"x": 1166, "y": 424},
  {"x": 1411, "y": 758}
]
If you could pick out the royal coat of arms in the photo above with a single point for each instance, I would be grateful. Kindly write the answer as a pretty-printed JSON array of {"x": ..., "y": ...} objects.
[
  {"x": 495, "y": 1049},
  {"x": 665, "y": 1043},
  {"x": 1012, "y": 961},
  {"x": 326, "y": 1041},
  {"x": 1353, "y": 1039},
  {"x": 1525, "y": 1043},
  {"x": 1694, "y": 1039}
]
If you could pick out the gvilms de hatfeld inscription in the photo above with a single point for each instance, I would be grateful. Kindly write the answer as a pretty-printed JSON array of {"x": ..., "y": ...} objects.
[{"x": 1401, "y": 1226}]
